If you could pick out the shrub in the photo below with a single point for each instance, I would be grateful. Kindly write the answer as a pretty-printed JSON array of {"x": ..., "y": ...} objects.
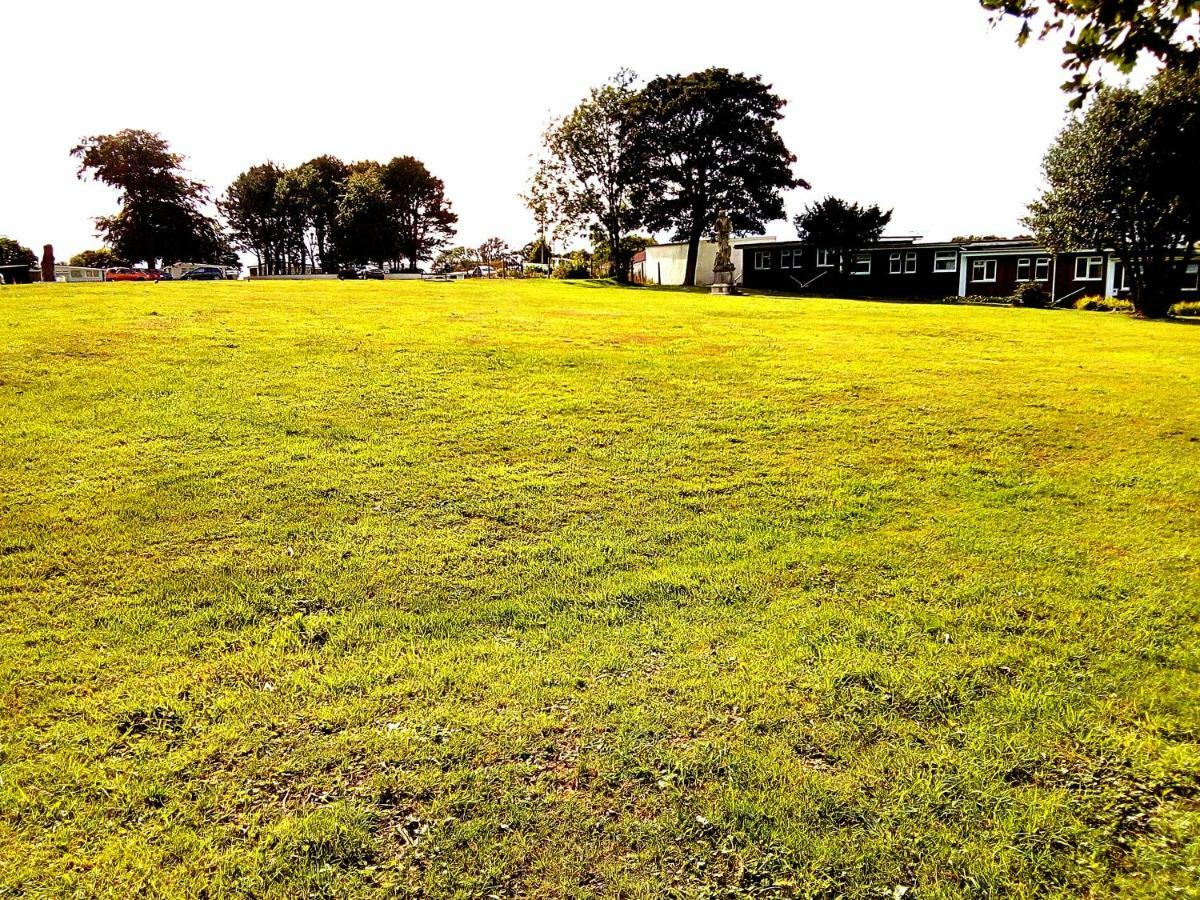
[
  {"x": 1186, "y": 308},
  {"x": 574, "y": 266},
  {"x": 1096, "y": 303},
  {"x": 1032, "y": 295}
]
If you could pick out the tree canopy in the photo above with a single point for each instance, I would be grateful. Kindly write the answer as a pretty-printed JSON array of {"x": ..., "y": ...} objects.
[
  {"x": 161, "y": 210},
  {"x": 421, "y": 215},
  {"x": 585, "y": 177},
  {"x": 842, "y": 228},
  {"x": 13, "y": 253},
  {"x": 706, "y": 142},
  {"x": 1125, "y": 174},
  {"x": 104, "y": 258},
  {"x": 1116, "y": 32}
]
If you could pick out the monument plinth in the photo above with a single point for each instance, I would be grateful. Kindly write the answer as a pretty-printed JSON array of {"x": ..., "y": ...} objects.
[{"x": 723, "y": 267}]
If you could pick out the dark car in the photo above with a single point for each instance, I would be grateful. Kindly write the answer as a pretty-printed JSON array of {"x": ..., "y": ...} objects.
[
  {"x": 361, "y": 272},
  {"x": 204, "y": 273},
  {"x": 160, "y": 275}
]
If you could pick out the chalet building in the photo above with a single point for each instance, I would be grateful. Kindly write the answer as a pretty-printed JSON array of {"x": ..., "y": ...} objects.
[{"x": 908, "y": 268}]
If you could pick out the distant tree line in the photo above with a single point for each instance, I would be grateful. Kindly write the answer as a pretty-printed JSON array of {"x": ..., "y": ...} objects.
[
  {"x": 317, "y": 215},
  {"x": 325, "y": 213}
]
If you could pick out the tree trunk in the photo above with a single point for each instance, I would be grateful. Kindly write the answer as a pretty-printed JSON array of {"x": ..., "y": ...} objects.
[{"x": 693, "y": 254}]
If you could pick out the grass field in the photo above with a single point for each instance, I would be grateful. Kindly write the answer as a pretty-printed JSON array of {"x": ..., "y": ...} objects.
[{"x": 561, "y": 590}]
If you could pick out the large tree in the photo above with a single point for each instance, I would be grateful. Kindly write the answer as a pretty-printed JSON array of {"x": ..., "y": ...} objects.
[
  {"x": 319, "y": 183},
  {"x": 252, "y": 209},
  {"x": 841, "y": 228},
  {"x": 161, "y": 213},
  {"x": 364, "y": 228},
  {"x": 421, "y": 214},
  {"x": 13, "y": 253},
  {"x": 1125, "y": 174},
  {"x": 706, "y": 142},
  {"x": 585, "y": 176},
  {"x": 1116, "y": 32}
]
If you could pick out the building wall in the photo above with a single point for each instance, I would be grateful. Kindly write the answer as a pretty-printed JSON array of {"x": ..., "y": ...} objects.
[
  {"x": 795, "y": 268},
  {"x": 667, "y": 263}
]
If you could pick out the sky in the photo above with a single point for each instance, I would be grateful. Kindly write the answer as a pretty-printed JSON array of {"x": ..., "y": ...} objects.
[{"x": 921, "y": 106}]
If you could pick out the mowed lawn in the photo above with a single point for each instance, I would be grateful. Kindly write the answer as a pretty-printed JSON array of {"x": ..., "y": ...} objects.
[{"x": 561, "y": 590}]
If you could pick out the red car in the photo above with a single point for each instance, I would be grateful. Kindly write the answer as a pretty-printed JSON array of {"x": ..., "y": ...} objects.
[{"x": 122, "y": 273}]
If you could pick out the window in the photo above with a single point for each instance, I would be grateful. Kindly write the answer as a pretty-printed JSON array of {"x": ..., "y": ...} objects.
[
  {"x": 910, "y": 263},
  {"x": 862, "y": 265},
  {"x": 785, "y": 259},
  {"x": 1191, "y": 280},
  {"x": 983, "y": 270},
  {"x": 1024, "y": 267},
  {"x": 824, "y": 259},
  {"x": 798, "y": 259},
  {"x": 945, "y": 261},
  {"x": 1041, "y": 269},
  {"x": 762, "y": 259},
  {"x": 1089, "y": 268},
  {"x": 895, "y": 264}
]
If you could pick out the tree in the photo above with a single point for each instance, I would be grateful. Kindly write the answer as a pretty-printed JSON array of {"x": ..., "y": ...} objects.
[
  {"x": 320, "y": 182},
  {"x": 456, "y": 259},
  {"x": 160, "y": 214},
  {"x": 422, "y": 217},
  {"x": 1125, "y": 174},
  {"x": 706, "y": 142},
  {"x": 251, "y": 208},
  {"x": 494, "y": 250},
  {"x": 537, "y": 251},
  {"x": 585, "y": 177},
  {"x": 364, "y": 229},
  {"x": 13, "y": 253},
  {"x": 844, "y": 229},
  {"x": 104, "y": 258},
  {"x": 1117, "y": 32}
]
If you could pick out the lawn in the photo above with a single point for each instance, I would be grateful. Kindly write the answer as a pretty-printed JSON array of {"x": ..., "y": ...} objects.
[{"x": 563, "y": 590}]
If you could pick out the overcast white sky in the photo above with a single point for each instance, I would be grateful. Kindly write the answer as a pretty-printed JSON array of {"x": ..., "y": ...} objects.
[{"x": 920, "y": 106}]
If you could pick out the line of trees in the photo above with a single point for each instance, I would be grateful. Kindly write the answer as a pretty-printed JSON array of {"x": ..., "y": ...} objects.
[
  {"x": 317, "y": 215},
  {"x": 667, "y": 156},
  {"x": 325, "y": 213}
]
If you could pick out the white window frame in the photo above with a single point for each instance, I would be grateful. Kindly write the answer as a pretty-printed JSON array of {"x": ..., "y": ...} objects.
[
  {"x": 896, "y": 264},
  {"x": 785, "y": 259},
  {"x": 1192, "y": 271},
  {"x": 797, "y": 259},
  {"x": 941, "y": 257},
  {"x": 858, "y": 262},
  {"x": 983, "y": 264},
  {"x": 1090, "y": 261},
  {"x": 1024, "y": 264},
  {"x": 910, "y": 262},
  {"x": 759, "y": 257},
  {"x": 1041, "y": 268},
  {"x": 824, "y": 258}
]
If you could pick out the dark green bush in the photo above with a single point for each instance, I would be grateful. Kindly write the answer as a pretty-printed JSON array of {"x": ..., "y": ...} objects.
[{"x": 1031, "y": 294}]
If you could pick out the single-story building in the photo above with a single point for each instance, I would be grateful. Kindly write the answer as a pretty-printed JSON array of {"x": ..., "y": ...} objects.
[
  {"x": 19, "y": 274},
  {"x": 667, "y": 263},
  {"x": 907, "y": 267}
]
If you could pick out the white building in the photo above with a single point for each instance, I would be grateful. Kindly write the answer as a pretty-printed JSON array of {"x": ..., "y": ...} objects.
[{"x": 666, "y": 263}]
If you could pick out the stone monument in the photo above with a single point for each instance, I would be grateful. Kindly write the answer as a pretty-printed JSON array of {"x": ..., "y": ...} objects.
[
  {"x": 723, "y": 266},
  {"x": 48, "y": 263}
]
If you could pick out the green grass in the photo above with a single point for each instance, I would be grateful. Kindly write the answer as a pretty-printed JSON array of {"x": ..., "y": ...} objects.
[{"x": 558, "y": 590}]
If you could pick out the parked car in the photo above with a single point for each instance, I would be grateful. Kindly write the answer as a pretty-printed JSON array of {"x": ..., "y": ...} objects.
[
  {"x": 360, "y": 272},
  {"x": 124, "y": 273},
  {"x": 204, "y": 273},
  {"x": 160, "y": 275}
]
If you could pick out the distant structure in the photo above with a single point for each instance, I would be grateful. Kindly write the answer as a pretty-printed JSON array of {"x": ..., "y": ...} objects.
[{"x": 48, "y": 263}]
